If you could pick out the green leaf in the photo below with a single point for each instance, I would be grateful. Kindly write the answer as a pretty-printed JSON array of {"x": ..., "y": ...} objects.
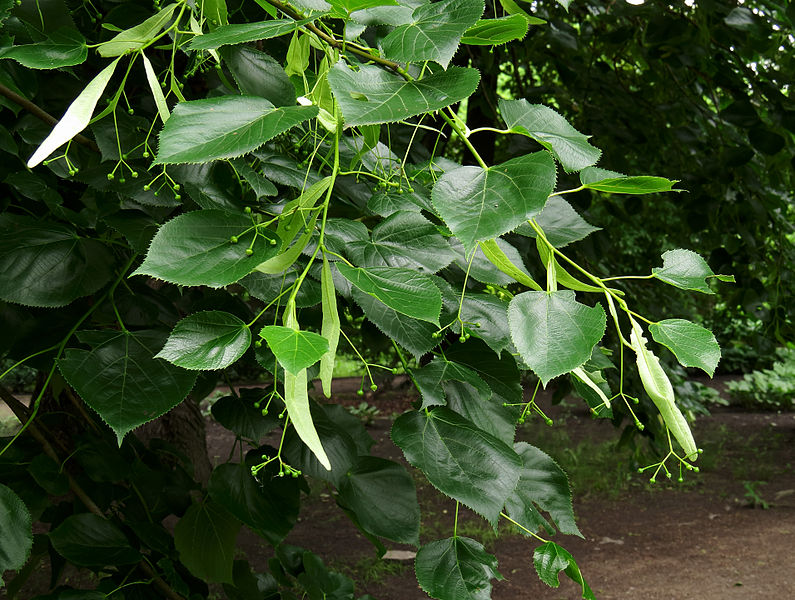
[
  {"x": 459, "y": 459},
  {"x": 215, "y": 12},
  {"x": 63, "y": 48},
  {"x": 686, "y": 270},
  {"x": 492, "y": 251},
  {"x": 120, "y": 378},
  {"x": 296, "y": 398},
  {"x": 429, "y": 380},
  {"x": 544, "y": 485},
  {"x": 553, "y": 332},
  {"x": 245, "y": 32},
  {"x": 693, "y": 345},
  {"x": 563, "y": 277},
  {"x": 343, "y": 8},
  {"x": 88, "y": 540},
  {"x": 295, "y": 349},
  {"x": 489, "y": 413},
  {"x": 489, "y": 316},
  {"x": 207, "y": 341},
  {"x": 550, "y": 559},
  {"x": 196, "y": 249},
  {"x": 154, "y": 86},
  {"x": 404, "y": 290},
  {"x": 16, "y": 525},
  {"x": 500, "y": 373},
  {"x": 76, "y": 117},
  {"x": 241, "y": 417},
  {"x": 205, "y": 539},
  {"x": 48, "y": 264},
  {"x": 481, "y": 204},
  {"x": 561, "y": 224},
  {"x": 381, "y": 494},
  {"x": 458, "y": 568},
  {"x": 595, "y": 174},
  {"x": 297, "y": 54},
  {"x": 330, "y": 328},
  {"x": 257, "y": 74},
  {"x": 493, "y": 32},
  {"x": 643, "y": 184},
  {"x": 404, "y": 239},
  {"x": 434, "y": 32},
  {"x": 414, "y": 335},
  {"x": 268, "y": 510},
  {"x": 139, "y": 36},
  {"x": 262, "y": 187},
  {"x": 371, "y": 95},
  {"x": 552, "y": 131},
  {"x": 226, "y": 127}
]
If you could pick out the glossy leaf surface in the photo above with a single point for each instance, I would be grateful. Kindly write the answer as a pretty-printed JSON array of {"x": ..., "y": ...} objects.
[
  {"x": 207, "y": 341},
  {"x": 295, "y": 349},
  {"x": 693, "y": 345},
  {"x": 457, "y": 568}
]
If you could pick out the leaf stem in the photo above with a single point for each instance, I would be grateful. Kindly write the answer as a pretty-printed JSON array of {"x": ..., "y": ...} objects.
[{"x": 523, "y": 528}]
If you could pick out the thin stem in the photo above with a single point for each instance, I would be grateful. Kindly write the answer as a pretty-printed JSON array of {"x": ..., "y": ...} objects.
[
  {"x": 523, "y": 528},
  {"x": 462, "y": 135},
  {"x": 560, "y": 193}
]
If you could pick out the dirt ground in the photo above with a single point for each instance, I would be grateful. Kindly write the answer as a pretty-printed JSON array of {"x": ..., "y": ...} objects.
[{"x": 701, "y": 540}]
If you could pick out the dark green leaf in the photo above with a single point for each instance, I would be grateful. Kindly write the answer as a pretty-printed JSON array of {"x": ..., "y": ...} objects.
[
  {"x": 196, "y": 249},
  {"x": 458, "y": 568},
  {"x": 17, "y": 538},
  {"x": 269, "y": 509},
  {"x": 49, "y": 475},
  {"x": 429, "y": 380},
  {"x": 544, "y": 485},
  {"x": 481, "y": 204},
  {"x": 500, "y": 373},
  {"x": 239, "y": 415},
  {"x": 382, "y": 496},
  {"x": 207, "y": 341},
  {"x": 257, "y": 74},
  {"x": 486, "y": 317},
  {"x": 693, "y": 345},
  {"x": 245, "y": 32},
  {"x": 489, "y": 413},
  {"x": 550, "y": 559},
  {"x": 459, "y": 459},
  {"x": 404, "y": 290},
  {"x": 553, "y": 332},
  {"x": 47, "y": 264},
  {"x": 89, "y": 540},
  {"x": 434, "y": 32},
  {"x": 684, "y": 269},
  {"x": 295, "y": 349},
  {"x": 63, "y": 48},
  {"x": 493, "y": 32},
  {"x": 371, "y": 95},
  {"x": 199, "y": 131},
  {"x": 561, "y": 223},
  {"x": 121, "y": 380},
  {"x": 205, "y": 539},
  {"x": 552, "y": 131}
]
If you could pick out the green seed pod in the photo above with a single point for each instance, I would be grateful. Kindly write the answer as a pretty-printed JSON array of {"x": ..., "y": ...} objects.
[
  {"x": 374, "y": 387},
  {"x": 660, "y": 390}
]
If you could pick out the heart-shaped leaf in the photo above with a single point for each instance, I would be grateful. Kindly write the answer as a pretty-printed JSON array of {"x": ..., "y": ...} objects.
[
  {"x": 206, "y": 341},
  {"x": 294, "y": 349},
  {"x": 693, "y": 345},
  {"x": 458, "y": 568}
]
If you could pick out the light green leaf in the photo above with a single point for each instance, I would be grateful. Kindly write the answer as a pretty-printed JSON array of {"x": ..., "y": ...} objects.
[
  {"x": 498, "y": 258},
  {"x": 459, "y": 459},
  {"x": 480, "y": 204},
  {"x": 552, "y": 131},
  {"x": 245, "y": 32},
  {"x": 76, "y": 117},
  {"x": 493, "y": 32},
  {"x": 121, "y": 380},
  {"x": 296, "y": 398},
  {"x": 88, "y": 540},
  {"x": 693, "y": 345},
  {"x": 297, "y": 54},
  {"x": 512, "y": 8},
  {"x": 382, "y": 495},
  {"x": 371, "y": 95},
  {"x": 342, "y": 9},
  {"x": 458, "y": 568},
  {"x": 268, "y": 510},
  {"x": 404, "y": 239},
  {"x": 206, "y": 341},
  {"x": 563, "y": 277},
  {"x": 48, "y": 264},
  {"x": 686, "y": 270},
  {"x": 330, "y": 329},
  {"x": 63, "y": 48},
  {"x": 643, "y": 184},
  {"x": 404, "y": 290},
  {"x": 553, "y": 332},
  {"x": 295, "y": 349},
  {"x": 550, "y": 559},
  {"x": 205, "y": 539},
  {"x": 225, "y": 127},
  {"x": 561, "y": 223},
  {"x": 434, "y": 32},
  {"x": 16, "y": 525},
  {"x": 215, "y": 12},
  {"x": 139, "y": 36},
  {"x": 542, "y": 485},
  {"x": 414, "y": 335},
  {"x": 196, "y": 249},
  {"x": 157, "y": 93}
]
